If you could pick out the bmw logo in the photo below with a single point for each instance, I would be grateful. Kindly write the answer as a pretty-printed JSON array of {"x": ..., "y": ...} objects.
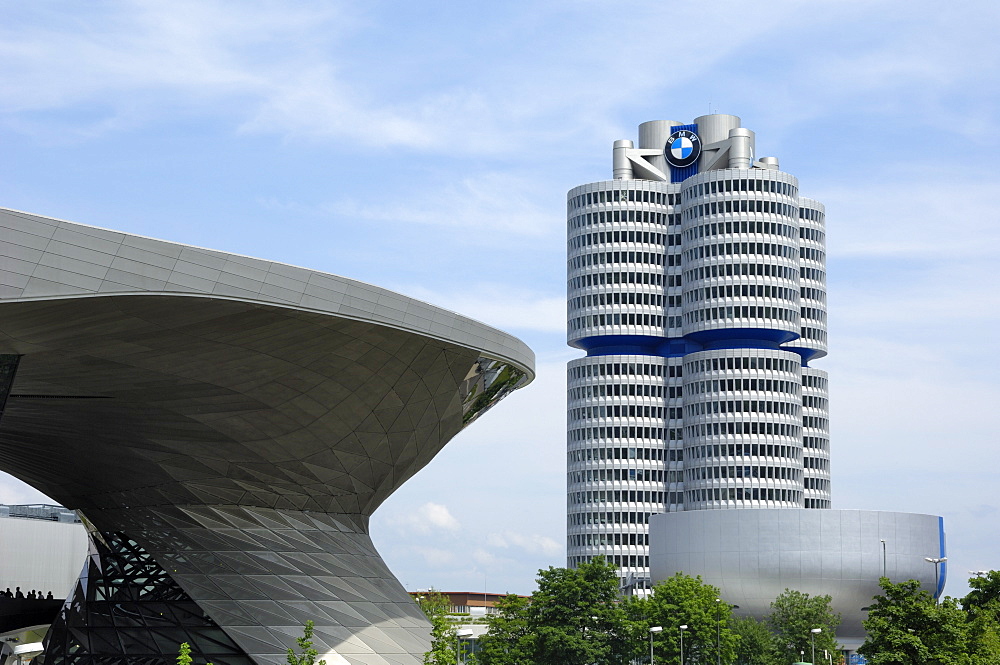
[{"x": 683, "y": 148}]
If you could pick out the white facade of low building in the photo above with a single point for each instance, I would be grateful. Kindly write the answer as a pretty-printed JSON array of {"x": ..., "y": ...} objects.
[{"x": 41, "y": 554}]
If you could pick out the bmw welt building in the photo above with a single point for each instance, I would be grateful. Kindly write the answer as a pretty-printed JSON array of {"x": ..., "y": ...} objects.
[
  {"x": 698, "y": 426},
  {"x": 225, "y": 426}
]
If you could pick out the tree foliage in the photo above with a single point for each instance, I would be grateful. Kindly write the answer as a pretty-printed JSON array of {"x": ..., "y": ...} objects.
[
  {"x": 307, "y": 654},
  {"x": 984, "y": 639},
  {"x": 573, "y": 618},
  {"x": 184, "y": 654},
  {"x": 793, "y": 615},
  {"x": 576, "y": 618},
  {"x": 683, "y": 600},
  {"x": 435, "y": 606},
  {"x": 906, "y": 626},
  {"x": 756, "y": 644},
  {"x": 984, "y": 596},
  {"x": 510, "y": 639}
]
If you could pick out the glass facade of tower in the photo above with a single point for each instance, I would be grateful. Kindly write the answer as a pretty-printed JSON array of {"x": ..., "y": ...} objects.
[{"x": 700, "y": 303}]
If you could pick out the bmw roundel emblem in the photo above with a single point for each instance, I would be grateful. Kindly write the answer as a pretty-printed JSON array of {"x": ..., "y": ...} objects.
[{"x": 683, "y": 148}]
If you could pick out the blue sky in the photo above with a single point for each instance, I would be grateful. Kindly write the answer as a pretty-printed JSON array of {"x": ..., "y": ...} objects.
[{"x": 427, "y": 148}]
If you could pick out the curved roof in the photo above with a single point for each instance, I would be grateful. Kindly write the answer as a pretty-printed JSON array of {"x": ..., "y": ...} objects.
[
  {"x": 148, "y": 373},
  {"x": 44, "y": 258}
]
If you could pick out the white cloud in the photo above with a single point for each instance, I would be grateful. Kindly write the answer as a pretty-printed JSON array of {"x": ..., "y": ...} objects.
[
  {"x": 485, "y": 558},
  {"x": 533, "y": 543},
  {"x": 266, "y": 62},
  {"x": 502, "y": 306},
  {"x": 427, "y": 518},
  {"x": 494, "y": 202},
  {"x": 434, "y": 556},
  {"x": 914, "y": 213},
  {"x": 296, "y": 70},
  {"x": 908, "y": 406},
  {"x": 909, "y": 64}
]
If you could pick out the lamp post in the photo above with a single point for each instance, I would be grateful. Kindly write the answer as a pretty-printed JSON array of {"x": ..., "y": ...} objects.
[
  {"x": 937, "y": 561},
  {"x": 683, "y": 627},
  {"x": 718, "y": 632},
  {"x": 812, "y": 641},
  {"x": 459, "y": 634},
  {"x": 883, "y": 557},
  {"x": 653, "y": 629}
]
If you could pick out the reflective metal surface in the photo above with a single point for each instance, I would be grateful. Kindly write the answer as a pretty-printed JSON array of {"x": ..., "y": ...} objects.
[
  {"x": 488, "y": 382},
  {"x": 228, "y": 425},
  {"x": 754, "y": 555}
]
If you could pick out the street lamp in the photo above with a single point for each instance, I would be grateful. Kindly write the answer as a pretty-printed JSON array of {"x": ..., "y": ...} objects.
[
  {"x": 683, "y": 628},
  {"x": 883, "y": 557},
  {"x": 718, "y": 632},
  {"x": 937, "y": 561},
  {"x": 653, "y": 629},
  {"x": 459, "y": 634},
  {"x": 812, "y": 641}
]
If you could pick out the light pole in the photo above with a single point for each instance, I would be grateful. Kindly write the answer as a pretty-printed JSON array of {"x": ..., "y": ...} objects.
[
  {"x": 812, "y": 641},
  {"x": 683, "y": 627},
  {"x": 718, "y": 632},
  {"x": 653, "y": 629},
  {"x": 459, "y": 634},
  {"x": 937, "y": 561},
  {"x": 883, "y": 557}
]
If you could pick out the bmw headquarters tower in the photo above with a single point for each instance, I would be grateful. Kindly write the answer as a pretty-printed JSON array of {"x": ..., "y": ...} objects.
[{"x": 697, "y": 289}]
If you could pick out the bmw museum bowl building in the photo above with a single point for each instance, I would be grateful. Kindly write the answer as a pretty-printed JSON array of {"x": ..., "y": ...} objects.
[
  {"x": 225, "y": 426},
  {"x": 698, "y": 425}
]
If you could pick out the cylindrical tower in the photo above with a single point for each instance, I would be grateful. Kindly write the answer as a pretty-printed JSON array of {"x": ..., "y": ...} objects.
[
  {"x": 620, "y": 284},
  {"x": 622, "y": 467},
  {"x": 740, "y": 237},
  {"x": 812, "y": 280},
  {"x": 624, "y": 399},
  {"x": 742, "y": 429},
  {"x": 699, "y": 303},
  {"x": 815, "y": 438},
  {"x": 812, "y": 345}
]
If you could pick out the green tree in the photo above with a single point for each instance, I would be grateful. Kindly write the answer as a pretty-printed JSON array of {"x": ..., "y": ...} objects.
[
  {"x": 982, "y": 608},
  {"x": 756, "y": 645},
  {"x": 793, "y": 615},
  {"x": 984, "y": 595},
  {"x": 984, "y": 640},
  {"x": 308, "y": 653},
  {"x": 576, "y": 619},
  {"x": 905, "y": 626},
  {"x": 184, "y": 655},
  {"x": 685, "y": 600},
  {"x": 435, "y": 606},
  {"x": 509, "y": 639}
]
